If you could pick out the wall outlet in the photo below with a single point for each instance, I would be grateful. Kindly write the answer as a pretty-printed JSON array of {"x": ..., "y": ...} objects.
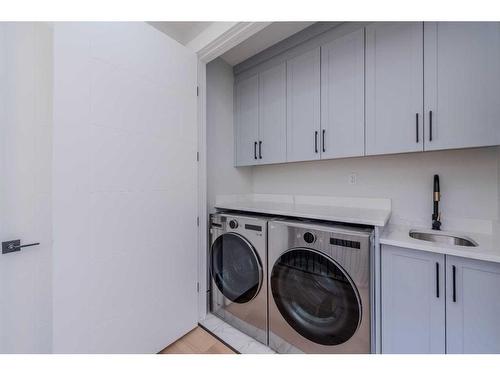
[{"x": 353, "y": 178}]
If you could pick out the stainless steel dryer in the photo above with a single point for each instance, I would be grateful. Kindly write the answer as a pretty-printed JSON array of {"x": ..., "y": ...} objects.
[
  {"x": 319, "y": 298},
  {"x": 238, "y": 272}
]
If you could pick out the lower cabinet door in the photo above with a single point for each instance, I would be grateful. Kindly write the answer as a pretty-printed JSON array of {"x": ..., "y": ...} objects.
[
  {"x": 472, "y": 306},
  {"x": 413, "y": 301}
]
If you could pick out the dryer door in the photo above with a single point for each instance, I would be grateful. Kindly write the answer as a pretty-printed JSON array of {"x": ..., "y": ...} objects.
[
  {"x": 235, "y": 267},
  {"x": 316, "y": 296}
]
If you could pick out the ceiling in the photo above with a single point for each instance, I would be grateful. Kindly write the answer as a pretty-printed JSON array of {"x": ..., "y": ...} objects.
[
  {"x": 263, "y": 39},
  {"x": 183, "y": 32}
]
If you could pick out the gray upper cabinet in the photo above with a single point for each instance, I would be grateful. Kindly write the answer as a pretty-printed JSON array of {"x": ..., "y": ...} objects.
[
  {"x": 473, "y": 306},
  {"x": 462, "y": 81},
  {"x": 413, "y": 301},
  {"x": 394, "y": 87},
  {"x": 342, "y": 96},
  {"x": 272, "y": 115},
  {"x": 303, "y": 106},
  {"x": 247, "y": 120},
  {"x": 372, "y": 89}
]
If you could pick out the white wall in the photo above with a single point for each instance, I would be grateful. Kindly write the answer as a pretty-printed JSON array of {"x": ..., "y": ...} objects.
[
  {"x": 125, "y": 206},
  {"x": 25, "y": 186},
  {"x": 469, "y": 183},
  {"x": 222, "y": 177}
]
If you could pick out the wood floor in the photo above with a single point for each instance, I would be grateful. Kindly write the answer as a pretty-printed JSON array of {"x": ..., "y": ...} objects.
[{"x": 198, "y": 341}]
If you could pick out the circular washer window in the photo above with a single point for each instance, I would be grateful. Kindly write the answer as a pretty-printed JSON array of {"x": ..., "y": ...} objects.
[
  {"x": 316, "y": 296},
  {"x": 235, "y": 268}
]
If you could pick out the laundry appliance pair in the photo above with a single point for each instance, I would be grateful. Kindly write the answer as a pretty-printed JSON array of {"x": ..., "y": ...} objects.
[{"x": 298, "y": 286}]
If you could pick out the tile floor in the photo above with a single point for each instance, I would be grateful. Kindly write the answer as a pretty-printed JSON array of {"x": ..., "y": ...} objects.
[{"x": 238, "y": 340}]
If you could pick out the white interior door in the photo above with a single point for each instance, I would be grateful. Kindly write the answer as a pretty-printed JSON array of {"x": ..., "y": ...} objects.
[
  {"x": 25, "y": 186},
  {"x": 124, "y": 181}
]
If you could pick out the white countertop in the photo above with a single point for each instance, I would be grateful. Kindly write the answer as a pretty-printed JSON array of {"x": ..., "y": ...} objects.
[
  {"x": 488, "y": 248},
  {"x": 368, "y": 211}
]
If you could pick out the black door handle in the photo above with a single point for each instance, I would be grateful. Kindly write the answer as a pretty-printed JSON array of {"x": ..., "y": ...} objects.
[
  {"x": 260, "y": 149},
  {"x": 437, "y": 280},
  {"x": 316, "y": 142},
  {"x": 255, "y": 150},
  {"x": 15, "y": 245},
  {"x": 323, "y": 140},
  {"x": 454, "y": 277},
  {"x": 430, "y": 126}
]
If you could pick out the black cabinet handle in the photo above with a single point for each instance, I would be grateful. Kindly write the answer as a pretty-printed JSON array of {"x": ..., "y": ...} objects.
[
  {"x": 437, "y": 280},
  {"x": 316, "y": 142},
  {"x": 323, "y": 140},
  {"x": 255, "y": 150},
  {"x": 453, "y": 272},
  {"x": 260, "y": 149},
  {"x": 430, "y": 126},
  {"x": 416, "y": 125}
]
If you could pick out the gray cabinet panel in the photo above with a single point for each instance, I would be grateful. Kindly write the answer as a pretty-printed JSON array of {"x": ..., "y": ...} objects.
[
  {"x": 272, "y": 115},
  {"x": 413, "y": 313},
  {"x": 462, "y": 80},
  {"x": 342, "y": 96},
  {"x": 303, "y": 106},
  {"x": 247, "y": 120},
  {"x": 394, "y": 87},
  {"x": 472, "y": 317}
]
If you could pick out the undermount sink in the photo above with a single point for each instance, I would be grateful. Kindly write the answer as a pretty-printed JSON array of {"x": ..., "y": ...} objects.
[{"x": 442, "y": 238}]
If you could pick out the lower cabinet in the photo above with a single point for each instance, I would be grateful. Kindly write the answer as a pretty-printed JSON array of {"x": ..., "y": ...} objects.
[
  {"x": 435, "y": 303},
  {"x": 413, "y": 301},
  {"x": 472, "y": 306}
]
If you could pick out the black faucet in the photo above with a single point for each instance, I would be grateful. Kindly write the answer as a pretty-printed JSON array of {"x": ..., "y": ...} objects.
[{"x": 436, "y": 215}]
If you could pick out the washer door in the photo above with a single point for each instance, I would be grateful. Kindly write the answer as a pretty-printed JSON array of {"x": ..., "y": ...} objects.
[
  {"x": 235, "y": 267},
  {"x": 316, "y": 296}
]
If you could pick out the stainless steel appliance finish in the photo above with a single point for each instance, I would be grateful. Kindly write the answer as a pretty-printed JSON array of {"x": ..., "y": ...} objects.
[
  {"x": 238, "y": 267},
  {"x": 319, "y": 288},
  {"x": 442, "y": 238}
]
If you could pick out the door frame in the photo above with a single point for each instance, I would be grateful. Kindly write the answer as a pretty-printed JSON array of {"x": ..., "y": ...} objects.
[{"x": 223, "y": 43}]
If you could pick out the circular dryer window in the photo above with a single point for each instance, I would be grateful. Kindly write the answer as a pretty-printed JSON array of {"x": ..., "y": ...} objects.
[
  {"x": 316, "y": 296},
  {"x": 235, "y": 267}
]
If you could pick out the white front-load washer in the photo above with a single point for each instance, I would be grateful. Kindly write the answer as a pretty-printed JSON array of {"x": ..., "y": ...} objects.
[{"x": 237, "y": 263}]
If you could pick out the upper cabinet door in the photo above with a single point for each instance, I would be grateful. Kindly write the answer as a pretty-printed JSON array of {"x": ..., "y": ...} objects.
[
  {"x": 394, "y": 87},
  {"x": 472, "y": 306},
  {"x": 462, "y": 81},
  {"x": 342, "y": 96},
  {"x": 303, "y": 106},
  {"x": 272, "y": 115},
  {"x": 247, "y": 121}
]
